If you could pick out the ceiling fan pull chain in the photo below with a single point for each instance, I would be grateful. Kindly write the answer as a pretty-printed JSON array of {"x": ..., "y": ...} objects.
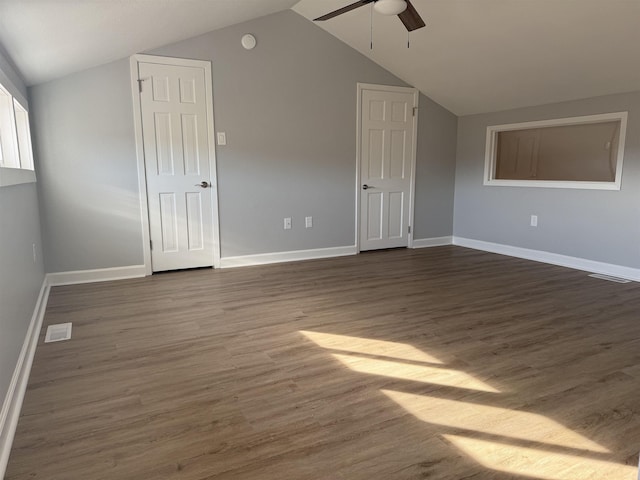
[{"x": 371, "y": 27}]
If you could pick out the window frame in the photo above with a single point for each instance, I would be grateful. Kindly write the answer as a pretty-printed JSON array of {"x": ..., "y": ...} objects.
[
  {"x": 492, "y": 144},
  {"x": 8, "y": 175},
  {"x": 8, "y": 134},
  {"x": 25, "y": 145}
]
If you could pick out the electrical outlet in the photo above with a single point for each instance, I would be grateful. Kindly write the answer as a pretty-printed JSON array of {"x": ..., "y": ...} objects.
[
  {"x": 308, "y": 222},
  {"x": 287, "y": 223},
  {"x": 534, "y": 220}
]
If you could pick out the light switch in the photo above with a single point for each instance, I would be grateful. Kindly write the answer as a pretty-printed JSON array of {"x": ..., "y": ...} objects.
[
  {"x": 222, "y": 138},
  {"x": 534, "y": 220},
  {"x": 308, "y": 222}
]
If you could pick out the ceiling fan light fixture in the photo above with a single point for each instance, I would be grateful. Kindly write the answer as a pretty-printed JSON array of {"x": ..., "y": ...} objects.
[{"x": 390, "y": 7}]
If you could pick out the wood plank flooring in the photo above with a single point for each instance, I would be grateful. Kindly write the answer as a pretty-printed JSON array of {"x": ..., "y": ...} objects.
[{"x": 442, "y": 363}]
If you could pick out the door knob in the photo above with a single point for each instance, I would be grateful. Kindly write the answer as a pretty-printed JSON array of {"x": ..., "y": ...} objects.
[
  {"x": 366, "y": 187},
  {"x": 203, "y": 184}
]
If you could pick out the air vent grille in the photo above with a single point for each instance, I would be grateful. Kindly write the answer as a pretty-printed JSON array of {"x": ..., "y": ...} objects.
[
  {"x": 58, "y": 333},
  {"x": 609, "y": 278}
]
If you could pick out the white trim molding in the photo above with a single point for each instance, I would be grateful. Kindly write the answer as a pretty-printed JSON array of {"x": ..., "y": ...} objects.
[
  {"x": 491, "y": 147},
  {"x": 142, "y": 175},
  {"x": 432, "y": 242},
  {"x": 98, "y": 275},
  {"x": 293, "y": 256},
  {"x": 16, "y": 176},
  {"x": 12, "y": 404},
  {"x": 576, "y": 263}
]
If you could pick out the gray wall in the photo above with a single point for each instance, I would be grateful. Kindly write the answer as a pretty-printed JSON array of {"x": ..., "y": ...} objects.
[
  {"x": 593, "y": 224},
  {"x": 435, "y": 172},
  {"x": 289, "y": 110},
  {"x": 20, "y": 277},
  {"x": 85, "y": 148},
  {"x": 9, "y": 76}
]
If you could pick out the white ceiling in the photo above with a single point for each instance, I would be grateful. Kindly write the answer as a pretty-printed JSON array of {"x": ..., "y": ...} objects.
[
  {"x": 487, "y": 55},
  {"x": 473, "y": 56},
  {"x": 48, "y": 39}
]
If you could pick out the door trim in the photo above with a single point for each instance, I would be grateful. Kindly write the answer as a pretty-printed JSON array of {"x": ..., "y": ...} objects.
[
  {"x": 412, "y": 182},
  {"x": 142, "y": 174}
]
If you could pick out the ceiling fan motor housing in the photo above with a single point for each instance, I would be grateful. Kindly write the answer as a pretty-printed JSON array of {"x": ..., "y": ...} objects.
[
  {"x": 390, "y": 7},
  {"x": 405, "y": 11}
]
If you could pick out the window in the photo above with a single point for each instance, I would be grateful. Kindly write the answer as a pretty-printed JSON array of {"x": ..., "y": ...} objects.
[
  {"x": 16, "y": 155},
  {"x": 24, "y": 136},
  {"x": 8, "y": 146},
  {"x": 578, "y": 152}
]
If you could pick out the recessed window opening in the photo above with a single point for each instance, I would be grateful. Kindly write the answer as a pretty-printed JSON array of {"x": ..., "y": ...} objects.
[
  {"x": 16, "y": 154},
  {"x": 578, "y": 152},
  {"x": 25, "y": 153},
  {"x": 8, "y": 141}
]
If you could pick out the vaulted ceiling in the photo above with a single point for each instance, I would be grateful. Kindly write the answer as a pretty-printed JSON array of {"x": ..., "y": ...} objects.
[
  {"x": 488, "y": 55},
  {"x": 48, "y": 39},
  {"x": 473, "y": 56}
]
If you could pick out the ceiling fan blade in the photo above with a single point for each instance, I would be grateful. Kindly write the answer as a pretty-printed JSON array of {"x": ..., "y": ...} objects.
[
  {"x": 342, "y": 10},
  {"x": 411, "y": 18}
]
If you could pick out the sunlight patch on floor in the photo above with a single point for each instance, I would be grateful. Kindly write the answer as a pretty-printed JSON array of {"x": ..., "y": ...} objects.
[
  {"x": 514, "y": 424},
  {"x": 367, "y": 346},
  {"x": 417, "y": 373},
  {"x": 540, "y": 464},
  {"x": 504, "y": 440}
]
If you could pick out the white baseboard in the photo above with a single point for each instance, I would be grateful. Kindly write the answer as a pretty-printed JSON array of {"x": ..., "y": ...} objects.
[
  {"x": 552, "y": 258},
  {"x": 432, "y": 242},
  {"x": 279, "y": 257},
  {"x": 98, "y": 275},
  {"x": 12, "y": 404}
]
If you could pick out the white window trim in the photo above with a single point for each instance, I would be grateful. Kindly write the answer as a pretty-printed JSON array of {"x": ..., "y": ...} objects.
[
  {"x": 491, "y": 145},
  {"x": 24, "y": 156},
  {"x": 15, "y": 176}
]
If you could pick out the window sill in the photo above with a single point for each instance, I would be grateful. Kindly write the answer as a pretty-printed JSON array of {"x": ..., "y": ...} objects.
[
  {"x": 554, "y": 184},
  {"x": 16, "y": 176}
]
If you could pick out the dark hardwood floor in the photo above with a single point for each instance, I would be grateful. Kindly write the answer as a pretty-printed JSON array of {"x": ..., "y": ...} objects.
[{"x": 441, "y": 363}]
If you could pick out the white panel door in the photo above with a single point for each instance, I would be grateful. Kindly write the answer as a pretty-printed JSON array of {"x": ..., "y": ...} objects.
[
  {"x": 174, "y": 107},
  {"x": 386, "y": 168}
]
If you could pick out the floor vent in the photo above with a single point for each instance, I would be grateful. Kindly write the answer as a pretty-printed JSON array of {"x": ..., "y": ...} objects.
[
  {"x": 58, "y": 333},
  {"x": 609, "y": 278}
]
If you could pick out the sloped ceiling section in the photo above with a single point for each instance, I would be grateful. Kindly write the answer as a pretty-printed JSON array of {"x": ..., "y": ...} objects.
[
  {"x": 48, "y": 39},
  {"x": 486, "y": 55},
  {"x": 473, "y": 56}
]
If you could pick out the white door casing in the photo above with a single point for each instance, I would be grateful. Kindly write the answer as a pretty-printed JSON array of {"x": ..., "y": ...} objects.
[
  {"x": 387, "y": 125},
  {"x": 176, "y": 127}
]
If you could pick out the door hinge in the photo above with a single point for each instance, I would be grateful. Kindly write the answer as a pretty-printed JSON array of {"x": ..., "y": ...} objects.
[
  {"x": 409, "y": 228},
  {"x": 151, "y": 244},
  {"x": 415, "y": 111},
  {"x": 140, "y": 80}
]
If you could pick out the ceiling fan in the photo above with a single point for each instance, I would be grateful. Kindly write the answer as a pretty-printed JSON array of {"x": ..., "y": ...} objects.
[{"x": 402, "y": 8}]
